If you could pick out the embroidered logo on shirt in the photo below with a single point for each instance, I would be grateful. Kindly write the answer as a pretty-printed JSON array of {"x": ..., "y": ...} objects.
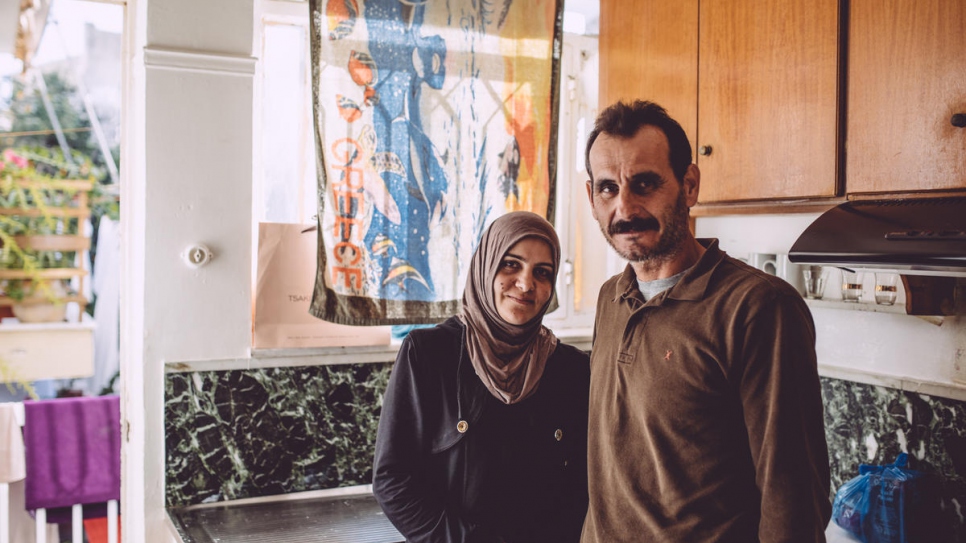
[{"x": 667, "y": 355}]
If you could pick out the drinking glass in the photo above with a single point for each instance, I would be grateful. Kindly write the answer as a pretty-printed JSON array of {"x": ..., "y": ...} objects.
[
  {"x": 851, "y": 286},
  {"x": 814, "y": 282},
  {"x": 886, "y": 288}
]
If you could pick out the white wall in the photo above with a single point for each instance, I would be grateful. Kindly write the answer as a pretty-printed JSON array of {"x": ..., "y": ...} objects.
[
  {"x": 848, "y": 341},
  {"x": 189, "y": 180}
]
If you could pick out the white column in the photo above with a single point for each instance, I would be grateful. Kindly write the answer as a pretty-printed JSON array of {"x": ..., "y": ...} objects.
[{"x": 186, "y": 178}]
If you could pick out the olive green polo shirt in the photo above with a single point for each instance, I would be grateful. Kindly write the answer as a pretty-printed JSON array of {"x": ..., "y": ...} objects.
[{"x": 706, "y": 416}]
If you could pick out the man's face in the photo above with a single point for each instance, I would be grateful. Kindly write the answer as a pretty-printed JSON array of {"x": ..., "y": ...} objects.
[{"x": 642, "y": 209}]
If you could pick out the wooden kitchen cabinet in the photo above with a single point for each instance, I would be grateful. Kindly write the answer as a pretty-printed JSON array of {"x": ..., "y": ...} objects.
[
  {"x": 906, "y": 80},
  {"x": 767, "y": 104},
  {"x": 755, "y": 82},
  {"x": 649, "y": 51}
]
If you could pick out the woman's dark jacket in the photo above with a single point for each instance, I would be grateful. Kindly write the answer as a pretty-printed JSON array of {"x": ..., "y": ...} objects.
[{"x": 517, "y": 474}]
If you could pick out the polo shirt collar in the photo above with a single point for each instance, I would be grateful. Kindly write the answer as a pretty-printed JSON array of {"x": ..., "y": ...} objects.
[{"x": 691, "y": 287}]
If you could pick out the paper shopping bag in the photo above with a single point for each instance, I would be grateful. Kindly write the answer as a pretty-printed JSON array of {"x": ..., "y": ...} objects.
[{"x": 283, "y": 290}]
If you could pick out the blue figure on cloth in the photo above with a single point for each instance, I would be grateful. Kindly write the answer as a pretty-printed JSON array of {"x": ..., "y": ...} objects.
[{"x": 399, "y": 63}]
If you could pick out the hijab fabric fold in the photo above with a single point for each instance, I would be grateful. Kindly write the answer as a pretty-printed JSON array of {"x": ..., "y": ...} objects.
[{"x": 508, "y": 358}]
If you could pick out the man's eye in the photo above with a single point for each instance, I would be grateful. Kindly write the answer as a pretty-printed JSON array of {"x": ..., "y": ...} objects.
[
  {"x": 607, "y": 189},
  {"x": 643, "y": 184}
]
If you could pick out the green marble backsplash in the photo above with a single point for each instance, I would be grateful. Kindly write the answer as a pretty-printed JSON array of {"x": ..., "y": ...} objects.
[
  {"x": 248, "y": 433},
  {"x": 866, "y": 424}
]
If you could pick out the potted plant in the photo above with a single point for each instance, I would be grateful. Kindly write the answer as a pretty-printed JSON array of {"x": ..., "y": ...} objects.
[{"x": 42, "y": 234}]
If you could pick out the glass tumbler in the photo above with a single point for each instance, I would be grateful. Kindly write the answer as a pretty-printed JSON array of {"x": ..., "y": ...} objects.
[
  {"x": 814, "y": 282},
  {"x": 851, "y": 286},
  {"x": 886, "y": 288}
]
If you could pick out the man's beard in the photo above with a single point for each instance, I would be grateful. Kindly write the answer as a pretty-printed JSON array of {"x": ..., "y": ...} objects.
[{"x": 670, "y": 243}]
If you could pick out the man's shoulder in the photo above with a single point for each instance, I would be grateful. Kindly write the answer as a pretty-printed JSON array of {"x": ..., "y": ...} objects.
[
  {"x": 735, "y": 276},
  {"x": 739, "y": 285}
]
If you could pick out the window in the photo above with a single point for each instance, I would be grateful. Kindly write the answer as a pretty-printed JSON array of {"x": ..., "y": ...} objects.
[
  {"x": 60, "y": 114},
  {"x": 285, "y": 151}
]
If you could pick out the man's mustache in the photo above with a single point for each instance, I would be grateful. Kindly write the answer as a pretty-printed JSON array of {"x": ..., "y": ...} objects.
[{"x": 636, "y": 224}]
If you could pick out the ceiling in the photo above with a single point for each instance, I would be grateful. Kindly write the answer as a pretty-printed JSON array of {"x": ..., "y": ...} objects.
[{"x": 590, "y": 9}]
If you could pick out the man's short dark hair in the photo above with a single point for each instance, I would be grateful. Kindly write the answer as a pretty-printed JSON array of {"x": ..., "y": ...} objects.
[{"x": 624, "y": 119}]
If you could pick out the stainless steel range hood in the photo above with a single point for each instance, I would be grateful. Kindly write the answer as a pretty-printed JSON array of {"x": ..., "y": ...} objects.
[{"x": 925, "y": 236}]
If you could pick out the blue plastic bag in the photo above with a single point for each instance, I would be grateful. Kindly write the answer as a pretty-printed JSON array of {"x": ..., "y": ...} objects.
[
  {"x": 881, "y": 504},
  {"x": 852, "y": 504}
]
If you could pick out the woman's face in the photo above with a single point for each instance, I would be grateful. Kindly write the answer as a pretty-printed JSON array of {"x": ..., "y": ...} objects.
[{"x": 524, "y": 280}]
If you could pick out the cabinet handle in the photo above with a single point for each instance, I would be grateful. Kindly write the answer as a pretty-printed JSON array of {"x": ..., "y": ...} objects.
[
  {"x": 959, "y": 120},
  {"x": 705, "y": 150}
]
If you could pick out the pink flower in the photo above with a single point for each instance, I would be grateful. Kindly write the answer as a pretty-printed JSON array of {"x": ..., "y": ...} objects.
[{"x": 18, "y": 161}]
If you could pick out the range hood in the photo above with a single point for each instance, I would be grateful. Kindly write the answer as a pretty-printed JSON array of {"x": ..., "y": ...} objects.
[{"x": 925, "y": 236}]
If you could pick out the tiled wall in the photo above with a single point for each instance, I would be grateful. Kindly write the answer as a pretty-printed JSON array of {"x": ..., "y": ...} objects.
[
  {"x": 247, "y": 433},
  {"x": 867, "y": 424}
]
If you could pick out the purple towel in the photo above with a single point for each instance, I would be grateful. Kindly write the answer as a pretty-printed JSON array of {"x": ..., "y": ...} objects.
[{"x": 73, "y": 451}]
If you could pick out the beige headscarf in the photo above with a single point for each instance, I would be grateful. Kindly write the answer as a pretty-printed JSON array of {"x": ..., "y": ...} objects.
[{"x": 510, "y": 359}]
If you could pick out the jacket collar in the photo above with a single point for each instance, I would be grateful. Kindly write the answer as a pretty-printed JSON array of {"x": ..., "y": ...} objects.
[{"x": 691, "y": 287}]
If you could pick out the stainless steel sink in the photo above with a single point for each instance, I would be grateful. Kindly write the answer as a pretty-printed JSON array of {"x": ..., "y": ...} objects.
[{"x": 330, "y": 519}]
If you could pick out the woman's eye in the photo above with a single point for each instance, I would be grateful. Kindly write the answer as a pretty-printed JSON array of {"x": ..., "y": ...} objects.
[{"x": 544, "y": 273}]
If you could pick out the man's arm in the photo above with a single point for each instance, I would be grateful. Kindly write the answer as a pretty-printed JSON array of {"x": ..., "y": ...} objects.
[{"x": 784, "y": 415}]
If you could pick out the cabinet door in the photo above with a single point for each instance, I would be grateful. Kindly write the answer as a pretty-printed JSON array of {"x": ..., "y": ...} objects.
[
  {"x": 767, "y": 99},
  {"x": 649, "y": 51},
  {"x": 907, "y": 78}
]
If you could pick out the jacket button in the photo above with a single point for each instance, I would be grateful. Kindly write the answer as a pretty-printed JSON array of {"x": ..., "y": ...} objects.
[
  {"x": 462, "y": 426},
  {"x": 558, "y": 435}
]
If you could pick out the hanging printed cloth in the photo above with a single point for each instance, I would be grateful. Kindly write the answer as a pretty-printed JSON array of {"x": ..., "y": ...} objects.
[{"x": 431, "y": 119}]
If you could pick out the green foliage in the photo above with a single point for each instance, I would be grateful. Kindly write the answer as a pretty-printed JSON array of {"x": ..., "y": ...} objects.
[
  {"x": 10, "y": 377},
  {"x": 109, "y": 388},
  {"x": 29, "y": 115},
  {"x": 45, "y": 192},
  {"x": 32, "y": 156}
]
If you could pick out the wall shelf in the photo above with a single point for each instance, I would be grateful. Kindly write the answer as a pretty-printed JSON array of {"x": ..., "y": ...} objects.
[
  {"x": 929, "y": 297},
  {"x": 857, "y": 306}
]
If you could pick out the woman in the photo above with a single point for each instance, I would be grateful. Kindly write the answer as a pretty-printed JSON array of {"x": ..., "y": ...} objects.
[{"x": 483, "y": 434}]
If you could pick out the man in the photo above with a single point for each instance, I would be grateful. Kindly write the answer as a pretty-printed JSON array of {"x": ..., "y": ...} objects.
[{"x": 706, "y": 416}]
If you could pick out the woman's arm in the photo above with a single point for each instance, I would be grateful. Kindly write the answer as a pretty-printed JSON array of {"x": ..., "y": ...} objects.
[{"x": 400, "y": 482}]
